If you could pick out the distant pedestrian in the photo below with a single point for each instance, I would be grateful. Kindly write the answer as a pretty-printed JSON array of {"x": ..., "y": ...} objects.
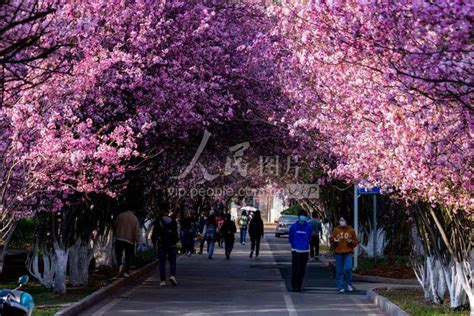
[
  {"x": 243, "y": 225},
  {"x": 256, "y": 233},
  {"x": 300, "y": 238},
  {"x": 127, "y": 234},
  {"x": 210, "y": 234},
  {"x": 344, "y": 240},
  {"x": 202, "y": 224},
  {"x": 188, "y": 233},
  {"x": 165, "y": 235},
  {"x": 316, "y": 234},
  {"x": 228, "y": 231},
  {"x": 219, "y": 236}
]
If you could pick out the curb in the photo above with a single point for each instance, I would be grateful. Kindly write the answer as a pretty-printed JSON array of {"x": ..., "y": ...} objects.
[
  {"x": 385, "y": 304},
  {"x": 110, "y": 289}
]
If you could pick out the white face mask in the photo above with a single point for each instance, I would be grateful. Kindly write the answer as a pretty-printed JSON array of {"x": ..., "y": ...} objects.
[{"x": 343, "y": 223}]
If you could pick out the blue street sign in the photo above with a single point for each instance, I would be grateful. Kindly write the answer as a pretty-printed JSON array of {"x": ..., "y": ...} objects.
[{"x": 374, "y": 190}]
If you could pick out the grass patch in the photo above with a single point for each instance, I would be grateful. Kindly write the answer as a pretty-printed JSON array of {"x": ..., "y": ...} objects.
[
  {"x": 46, "y": 311},
  {"x": 44, "y": 296},
  {"x": 412, "y": 301}
]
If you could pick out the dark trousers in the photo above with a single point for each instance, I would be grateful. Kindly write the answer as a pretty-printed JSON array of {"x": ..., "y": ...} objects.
[
  {"x": 163, "y": 253},
  {"x": 188, "y": 243},
  {"x": 120, "y": 246},
  {"x": 255, "y": 245},
  {"x": 314, "y": 247},
  {"x": 201, "y": 244},
  {"x": 298, "y": 269},
  {"x": 229, "y": 244}
]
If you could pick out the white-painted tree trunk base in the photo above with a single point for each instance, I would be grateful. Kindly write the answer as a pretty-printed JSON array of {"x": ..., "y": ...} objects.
[
  {"x": 80, "y": 256},
  {"x": 49, "y": 262},
  {"x": 103, "y": 251},
  {"x": 60, "y": 268}
]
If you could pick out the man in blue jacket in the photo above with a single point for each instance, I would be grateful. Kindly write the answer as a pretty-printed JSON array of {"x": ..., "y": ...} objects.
[{"x": 300, "y": 239}]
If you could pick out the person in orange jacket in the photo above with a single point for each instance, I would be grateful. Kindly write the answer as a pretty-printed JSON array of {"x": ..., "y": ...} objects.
[{"x": 344, "y": 240}]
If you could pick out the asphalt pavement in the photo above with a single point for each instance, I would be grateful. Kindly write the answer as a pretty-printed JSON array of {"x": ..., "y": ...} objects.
[{"x": 239, "y": 286}]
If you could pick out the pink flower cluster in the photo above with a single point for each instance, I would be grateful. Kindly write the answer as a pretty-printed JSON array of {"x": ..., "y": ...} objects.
[{"x": 388, "y": 86}]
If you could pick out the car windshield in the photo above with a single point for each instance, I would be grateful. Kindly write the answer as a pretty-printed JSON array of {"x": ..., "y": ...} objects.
[{"x": 288, "y": 219}]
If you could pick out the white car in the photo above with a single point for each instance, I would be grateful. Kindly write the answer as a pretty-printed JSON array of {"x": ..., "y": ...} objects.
[{"x": 284, "y": 223}]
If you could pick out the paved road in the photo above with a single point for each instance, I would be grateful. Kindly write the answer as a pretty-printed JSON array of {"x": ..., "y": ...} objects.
[{"x": 240, "y": 286}]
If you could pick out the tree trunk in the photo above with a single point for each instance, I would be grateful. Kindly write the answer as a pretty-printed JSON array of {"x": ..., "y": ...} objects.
[
  {"x": 459, "y": 281},
  {"x": 49, "y": 265},
  {"x": 4, "y": 246},
  {"x": 80, "y": 256},
  {"x": 60, "y": 268},
  {"x": 431, "y": 276},
  {"x": 103, "y": 251}
]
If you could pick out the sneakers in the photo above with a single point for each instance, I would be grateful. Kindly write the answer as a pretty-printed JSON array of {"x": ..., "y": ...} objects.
[
  {"x": 163, "y": 283},
  {"x": 251, "y": 254},
  {"x": 173, "y": 281},
  {"x": 342, "y": 291},
  {"x": 126, "y": 275},
  {"x": 243, "y": 244},
  {"x": 350, "y": 288}
]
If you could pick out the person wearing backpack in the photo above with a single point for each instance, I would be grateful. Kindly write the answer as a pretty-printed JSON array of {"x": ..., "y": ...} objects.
[
  {"x": 210, "y": 234},
  {"x": 243, "y": 224},
  {"x": 228, "y": 231},
  {"x": 165, "y": 235},
  {"x": 316, "y": 234}
]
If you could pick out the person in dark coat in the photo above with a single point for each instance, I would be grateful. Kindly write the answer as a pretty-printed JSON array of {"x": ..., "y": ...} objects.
[
  {"x": 165, "y": 235},
  {"x": 256, "y": 233},
  {"x": 228, "y": 231}
]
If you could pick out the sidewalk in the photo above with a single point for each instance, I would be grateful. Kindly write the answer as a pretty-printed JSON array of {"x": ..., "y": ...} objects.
[{"x": 239, "y": 286}]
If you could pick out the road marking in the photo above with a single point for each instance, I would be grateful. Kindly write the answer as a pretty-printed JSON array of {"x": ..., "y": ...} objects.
[{"x": 290, "y": 307}]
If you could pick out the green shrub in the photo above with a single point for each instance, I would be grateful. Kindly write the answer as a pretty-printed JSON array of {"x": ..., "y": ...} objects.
[{"x": 23, "y": 236}]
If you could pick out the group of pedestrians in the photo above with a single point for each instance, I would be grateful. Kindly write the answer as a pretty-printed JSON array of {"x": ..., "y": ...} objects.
[
  {"x": 212, "y": 230},
  {"x": 304, "y": 238}
]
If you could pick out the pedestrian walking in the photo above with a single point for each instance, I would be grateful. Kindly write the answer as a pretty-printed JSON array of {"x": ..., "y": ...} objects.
[
  {"x": 344, "y": 240},
  {"x": 243, "y": 225},
  {"x": 202, "y": 224},
  {"x": 188, "y": 233},
  {"x": 210, "y": 234},
  {"x": 300, "y": 238},
  {"x": 219, "y": 235},
  {"x": 127, "y": 235},
  {"x": 256, "y": 233},
  {"x": 165, "y": 235},
  {"x": 228, "y": 231},
  {"x": 316, "y": 234}
]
